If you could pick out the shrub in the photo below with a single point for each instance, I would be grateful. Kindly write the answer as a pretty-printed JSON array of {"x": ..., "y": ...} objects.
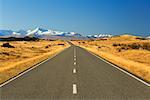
[
  {"x": 61, "y": 44},
  {"x": 46, "y": 47},
  {"x": 119, "y": 50},
  {"x": 124, "y": 48},
  {"x": 115, "y": 44},
  {"x": 146, "y": 46},
  {"x": 5, "y": 53},
  {"x": 135, "y": 46},
  {"x": 99, "y": 47},
  {"x": 141, "y": 38},
  {"x": 7, "y": 45}
]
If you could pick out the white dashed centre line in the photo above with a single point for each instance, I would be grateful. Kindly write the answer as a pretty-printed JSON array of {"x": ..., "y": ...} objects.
[
  {"x": 74, "y": 89},
  {"x": 74, "y": 63},
  {"x": 74, "y": 71},
  {"x": 74, "y": 51}
]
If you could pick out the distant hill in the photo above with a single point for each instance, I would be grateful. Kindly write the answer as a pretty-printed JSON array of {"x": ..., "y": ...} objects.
[{"x": 19, "y": 38}]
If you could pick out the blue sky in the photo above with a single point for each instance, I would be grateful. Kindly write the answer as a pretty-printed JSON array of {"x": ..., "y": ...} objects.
[{"x": 83, "y": 16}]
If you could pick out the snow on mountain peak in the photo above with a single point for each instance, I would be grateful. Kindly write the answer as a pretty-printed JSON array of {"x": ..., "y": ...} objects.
[
  {"x": 15, "y": 33},
  {"x": 100, "y": 36},
  {"x": 73, "y": 33},
  {"x": 44, "y": 32},
  {"x": 37, "y": 31},
  {"x": 41, "y": 32}
]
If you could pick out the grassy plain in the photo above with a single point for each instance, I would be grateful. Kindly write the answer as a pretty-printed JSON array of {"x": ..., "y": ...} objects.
[
  {"x": 128, "y": 52},
  {"x": 25, "y": 54}
]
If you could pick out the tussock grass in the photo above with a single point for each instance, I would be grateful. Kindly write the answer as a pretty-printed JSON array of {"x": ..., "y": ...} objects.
[
  {"x": 126, "y": 51},
  {"x": 24, "y": 55}
]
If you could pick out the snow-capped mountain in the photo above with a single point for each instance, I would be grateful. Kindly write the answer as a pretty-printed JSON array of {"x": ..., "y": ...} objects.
[
  {"x": 16, "y": 34},
  {"x": 38, "y": 32},
  {"x": 73, "y": 34},
  {"x": 148, "y": 37},
  {"x": 100, "y": 36}
]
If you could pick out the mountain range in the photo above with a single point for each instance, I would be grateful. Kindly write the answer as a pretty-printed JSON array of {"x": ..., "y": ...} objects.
[
  {"x": 51, "y": 34},
  {"x": 48, "y": 34},
  {"x": 38, "y": 32}
]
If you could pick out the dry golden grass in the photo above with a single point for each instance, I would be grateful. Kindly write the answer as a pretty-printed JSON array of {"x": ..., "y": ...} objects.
[
  {"x": 25, "y": 55},
  {"x": 136, "y": 61}
]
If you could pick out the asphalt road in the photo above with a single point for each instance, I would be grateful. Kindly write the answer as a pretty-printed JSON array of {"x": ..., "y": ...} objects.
[{"x": 75, "y": 74}]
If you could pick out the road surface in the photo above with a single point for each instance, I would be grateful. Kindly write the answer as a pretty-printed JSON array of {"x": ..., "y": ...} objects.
[{"x": 75, "y": 74}]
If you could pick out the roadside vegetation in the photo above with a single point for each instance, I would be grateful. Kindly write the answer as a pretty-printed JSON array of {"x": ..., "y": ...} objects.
[
  {"x": 17, "y": 56},
  {"x": 128, "y": 52}
]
